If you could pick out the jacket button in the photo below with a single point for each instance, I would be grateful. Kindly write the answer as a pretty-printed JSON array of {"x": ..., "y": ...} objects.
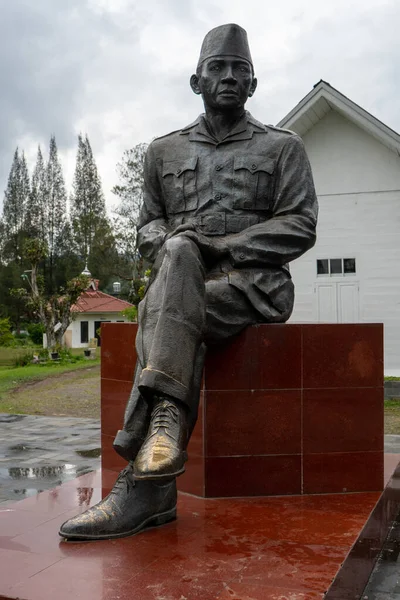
[
  {"x": 218, "y": 167},
  {"x": 254, "y": 166},
  {"x": 218, "y": 196},
  {"x": 178, "y": 171},
  {"x": 242, "y": 256}
]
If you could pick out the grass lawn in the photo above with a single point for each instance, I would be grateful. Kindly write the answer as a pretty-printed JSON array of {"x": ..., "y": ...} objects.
[
  {"x": 392, "y": 416},
  {"x": 73, "y": 392},
  {"x": 7, "y": 355},
  {"x": 13, "y": 378}
]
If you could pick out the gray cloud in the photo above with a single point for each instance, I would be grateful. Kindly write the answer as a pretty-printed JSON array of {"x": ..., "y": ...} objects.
[{"x": 119, "y": 69}]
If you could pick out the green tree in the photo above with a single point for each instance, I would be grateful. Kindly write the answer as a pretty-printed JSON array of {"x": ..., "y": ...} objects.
[
  {"x": 14, "y": 209},
  {"x": 129, "y": 190},
  {"x": 88, "y": 209},
  {"x": 54, "y": 209},
  {"x": 6, "y": 336},
  {"x": 91, "y": 230},
  {"x": 52, "y": 310},
  {"x": 36, "y": 209},
  {"x": 130, "y": 193}
]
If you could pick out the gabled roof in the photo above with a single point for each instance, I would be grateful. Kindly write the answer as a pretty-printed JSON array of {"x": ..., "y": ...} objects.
[
  {"x": 323, "y": 98},
  {"x": 93, "y": 301}
]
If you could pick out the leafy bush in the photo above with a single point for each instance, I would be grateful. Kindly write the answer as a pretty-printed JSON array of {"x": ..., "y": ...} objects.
[
  {"x": 6, "y": 337},
  {"x": 130, "y": 313},
  {"x": 20, "y": 339},
  {"x": 36, "y": 331},
  {"x": 23, "y": 359},
  {"x": 21, "y": 335},
  {"x": 43, "y": 354},
  {"x": 66, "y": 355}
]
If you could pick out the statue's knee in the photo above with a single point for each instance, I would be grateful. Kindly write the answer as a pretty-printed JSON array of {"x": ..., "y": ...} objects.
[{"x": 179, "y": 243}]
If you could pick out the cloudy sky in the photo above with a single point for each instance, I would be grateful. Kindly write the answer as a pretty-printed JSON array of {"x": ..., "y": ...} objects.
[{"x": 119, "y": 70}]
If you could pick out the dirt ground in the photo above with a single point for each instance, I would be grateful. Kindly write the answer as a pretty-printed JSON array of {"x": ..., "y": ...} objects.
[
  {"x": 392, "y": 416},
  {"x": 73, "y": 394},
  {"x": 77, "y": 394}
]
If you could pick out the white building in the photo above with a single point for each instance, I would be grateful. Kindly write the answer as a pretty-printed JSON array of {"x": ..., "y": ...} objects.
[
  {"x": 353, "y": 272},
  {"x": 91, "y": 310}
]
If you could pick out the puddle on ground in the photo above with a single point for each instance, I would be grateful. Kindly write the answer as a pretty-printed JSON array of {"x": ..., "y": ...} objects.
[
  {"x": 61, "y": 472},
  {"x": 94, "y": 453},
  {"x": 7, "y": 418},
  {"x": 18, "y": 483},
  {"x": 18, "y": 448}
]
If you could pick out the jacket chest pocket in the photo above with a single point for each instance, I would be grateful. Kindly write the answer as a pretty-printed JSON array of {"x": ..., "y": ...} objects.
[
  {"x": 180, "y": 186},
  {"x": 253, "y": 182}
]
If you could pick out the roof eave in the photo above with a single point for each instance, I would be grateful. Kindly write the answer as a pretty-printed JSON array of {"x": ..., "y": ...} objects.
[{"x": 347, "y": 108}]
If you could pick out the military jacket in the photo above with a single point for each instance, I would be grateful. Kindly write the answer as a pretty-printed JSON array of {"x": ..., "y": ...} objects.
[{"x": 254, "y": 187}]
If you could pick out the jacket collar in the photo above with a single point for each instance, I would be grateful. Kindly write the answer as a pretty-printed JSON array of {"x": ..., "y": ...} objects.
[{"x": 198, "y": 131}]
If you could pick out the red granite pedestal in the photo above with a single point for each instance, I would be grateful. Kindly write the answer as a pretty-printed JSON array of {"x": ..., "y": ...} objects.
[{"x": 286, "y": 409}]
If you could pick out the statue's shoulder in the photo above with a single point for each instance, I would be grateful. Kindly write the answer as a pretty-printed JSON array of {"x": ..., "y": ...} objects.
[
  {"x": 279, "y": 131},
  {"x": 176, "y": 132},
  {"x": 164, "y": 143},
  {"x": 167, "y": 136}
]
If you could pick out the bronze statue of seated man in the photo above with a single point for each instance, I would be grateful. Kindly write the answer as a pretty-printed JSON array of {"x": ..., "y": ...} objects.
[{"x": 228, "y": 202}]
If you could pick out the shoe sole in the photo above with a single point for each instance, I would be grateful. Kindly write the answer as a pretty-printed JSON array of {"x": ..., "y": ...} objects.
[
  {"x": 153, "y": 521},
  {"x": 164, "y": 477},
  {"x": 161, "y": 476}
]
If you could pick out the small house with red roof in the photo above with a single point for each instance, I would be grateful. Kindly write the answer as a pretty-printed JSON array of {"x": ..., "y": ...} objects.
[{"x": 93, "y": 308}]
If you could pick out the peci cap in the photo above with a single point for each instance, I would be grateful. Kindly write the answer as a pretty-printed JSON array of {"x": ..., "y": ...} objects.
[{"x": 226, "y": 40}]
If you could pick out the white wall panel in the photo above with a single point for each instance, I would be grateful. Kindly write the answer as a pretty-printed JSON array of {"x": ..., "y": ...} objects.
[{"x": 358, "y": 186}]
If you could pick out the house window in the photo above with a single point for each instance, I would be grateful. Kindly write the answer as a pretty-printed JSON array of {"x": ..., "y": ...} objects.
[
  {"x": 331, "y": 267},
  {"x": 84, "y": 332}
]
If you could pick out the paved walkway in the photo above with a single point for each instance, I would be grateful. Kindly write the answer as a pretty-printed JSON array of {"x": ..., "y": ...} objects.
[{"x": 38, "y": 453}]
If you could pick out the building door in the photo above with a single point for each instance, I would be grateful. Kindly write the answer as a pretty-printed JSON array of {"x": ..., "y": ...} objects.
[
  {"x": 97, "y": 325},
  {"x": 337, "y": 302},
  {"x": 348, "y": 302}
]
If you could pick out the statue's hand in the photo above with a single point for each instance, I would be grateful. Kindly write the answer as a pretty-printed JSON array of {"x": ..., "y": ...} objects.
[
  {"x": 180, "y": 229},
  {"x": 212, "y": 248}
]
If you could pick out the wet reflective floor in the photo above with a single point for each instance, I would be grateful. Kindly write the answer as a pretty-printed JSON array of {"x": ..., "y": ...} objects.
[
  {"x": 234, "y": 549},
  {"x": 384, "y": 583},
  {"x": 38, "y": 453},
  {"x": 227, "y": 549}
]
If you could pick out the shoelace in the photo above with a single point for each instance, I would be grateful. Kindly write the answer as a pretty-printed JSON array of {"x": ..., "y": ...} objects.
[
  {"x": 125, "y": 478},
  {"x": 162, "y": 415}
]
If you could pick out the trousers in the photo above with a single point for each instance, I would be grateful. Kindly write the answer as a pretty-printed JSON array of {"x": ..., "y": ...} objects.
[{"x": 186, "y": 307}]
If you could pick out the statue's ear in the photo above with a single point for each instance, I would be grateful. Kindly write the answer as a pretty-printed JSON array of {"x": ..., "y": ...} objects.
[
  {"x": 253, "y": 87},
  {"x": 194, "y": 84}
]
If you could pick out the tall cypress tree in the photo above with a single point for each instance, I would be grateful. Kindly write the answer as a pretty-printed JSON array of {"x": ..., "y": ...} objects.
[
  {"x": 90, "y": 225},
  {"x": 55, "y": 206},
  {"x": 14, "y": 210},
  {"x": 36, "y": 211}
]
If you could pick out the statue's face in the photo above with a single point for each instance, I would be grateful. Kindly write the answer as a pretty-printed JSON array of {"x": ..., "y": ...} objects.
[{"x": 224, "y": 82}]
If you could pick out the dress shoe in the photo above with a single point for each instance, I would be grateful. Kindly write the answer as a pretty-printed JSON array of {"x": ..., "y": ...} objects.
[
  {"x": 163, "y": 454},
  {"x": 129, "y": 507}
]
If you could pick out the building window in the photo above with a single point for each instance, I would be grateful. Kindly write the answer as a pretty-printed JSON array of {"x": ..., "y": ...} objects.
[
  {"x": 331, "y": 267},
  {"x": 84, "y": 332}
]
